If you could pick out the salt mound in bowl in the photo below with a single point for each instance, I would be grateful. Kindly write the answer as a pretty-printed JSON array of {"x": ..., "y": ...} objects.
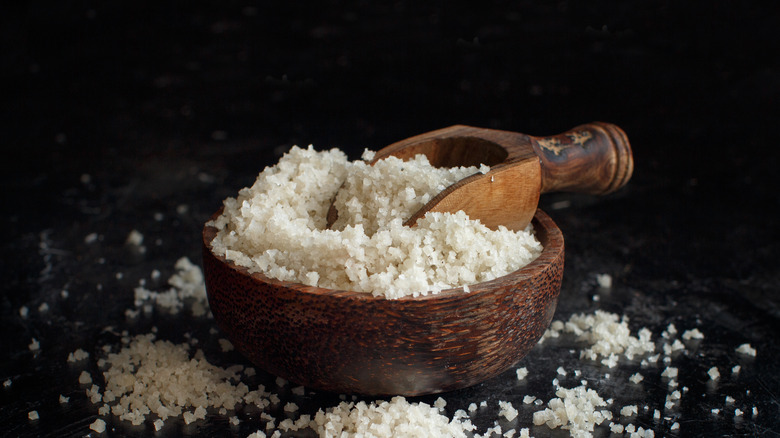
[{"x": 354, "y": 342}]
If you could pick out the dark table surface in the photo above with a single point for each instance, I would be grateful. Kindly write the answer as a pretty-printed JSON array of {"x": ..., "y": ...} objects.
[{"x": 121, "y": 116}]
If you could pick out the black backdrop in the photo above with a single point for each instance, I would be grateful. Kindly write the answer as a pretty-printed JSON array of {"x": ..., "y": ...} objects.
[{"x": 112, "y": 112}]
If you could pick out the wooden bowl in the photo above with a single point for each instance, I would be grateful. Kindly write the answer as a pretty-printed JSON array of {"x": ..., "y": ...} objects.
[{"x": 353, "y": 342}]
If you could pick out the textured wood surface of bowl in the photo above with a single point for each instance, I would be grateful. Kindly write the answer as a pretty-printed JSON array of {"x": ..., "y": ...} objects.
[{"x": 353, "y": 342}]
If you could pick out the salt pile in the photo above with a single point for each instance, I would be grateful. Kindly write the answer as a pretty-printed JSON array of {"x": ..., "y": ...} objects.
[{"x": 278, "y": 227}]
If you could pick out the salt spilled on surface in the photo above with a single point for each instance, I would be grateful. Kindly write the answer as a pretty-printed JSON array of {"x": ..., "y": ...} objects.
[
  {"x": 278, "y": 227},
  {"x": 156, "y": 380},
  {"x": 186, "y": 286}
]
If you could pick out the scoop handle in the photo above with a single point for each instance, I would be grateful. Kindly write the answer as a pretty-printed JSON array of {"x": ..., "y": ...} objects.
[{"x": 593, "y": 158}]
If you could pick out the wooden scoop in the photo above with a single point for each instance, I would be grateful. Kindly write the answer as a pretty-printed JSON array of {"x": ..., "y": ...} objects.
[{"x": 594, "y": 158}]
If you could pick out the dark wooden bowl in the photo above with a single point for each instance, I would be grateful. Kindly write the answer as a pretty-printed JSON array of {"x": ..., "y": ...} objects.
[{"x": 353, "y": 342}]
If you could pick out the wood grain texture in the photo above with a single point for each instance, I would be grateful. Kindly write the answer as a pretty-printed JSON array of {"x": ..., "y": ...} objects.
[
  {"x": 592, "y": 158},
  {"x": 353, "y": 342}
]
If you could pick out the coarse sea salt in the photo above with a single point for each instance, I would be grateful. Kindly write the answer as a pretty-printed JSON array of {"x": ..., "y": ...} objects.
[
  {"x": 577, "y": 409},
  {"x": 278, "y": 227}
]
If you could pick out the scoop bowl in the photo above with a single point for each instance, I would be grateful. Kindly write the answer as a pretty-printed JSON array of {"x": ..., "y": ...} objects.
[{"x": 354, "y": 342}]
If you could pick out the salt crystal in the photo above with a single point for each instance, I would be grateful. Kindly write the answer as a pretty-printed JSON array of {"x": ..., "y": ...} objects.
[
  {"x": 714, "y": 373},
  {"x": 746, "y": 349}
]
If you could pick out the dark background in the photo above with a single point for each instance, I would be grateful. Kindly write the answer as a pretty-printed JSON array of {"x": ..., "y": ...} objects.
[{"x": 114, "y": 111}]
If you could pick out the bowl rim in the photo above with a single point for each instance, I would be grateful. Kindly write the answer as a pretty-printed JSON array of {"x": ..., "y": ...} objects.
[{"x": 550, "y": 251}]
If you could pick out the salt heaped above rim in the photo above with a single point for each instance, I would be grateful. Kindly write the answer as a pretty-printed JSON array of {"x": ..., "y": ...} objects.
[{"x": 278, "y": 227}]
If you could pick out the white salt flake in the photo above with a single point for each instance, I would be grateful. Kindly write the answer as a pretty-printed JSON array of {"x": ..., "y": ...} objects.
[
  {"x": 746, "y": 349},
  {"x": 507, "y": 411},
  {"x": 692, "y": 334},
  {"x": 98, "y": 426},
  {"x": 714, "y": 373},
  {"x": 604, "y": 280}
]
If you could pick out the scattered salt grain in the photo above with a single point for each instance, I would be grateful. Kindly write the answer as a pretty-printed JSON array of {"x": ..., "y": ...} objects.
[
  {"x": 33, "y": 415},
  {"x": 34, "y": 345},
  {"x": 528, "y": 399},
  {"x": 522, "y": 373},
  {"x": 43, "y": 308},
  {"x": 715, "y": 411},
  {"x": 669, "y": 372},
  {"x": 628, "y": 411},
  {"x": 93, "y": 393},
  {"x": 672, "y": 347},
  {"x": 735, "y": 369},
  {"x": 729, "y": 400},
  {"x": 507, "y": 411},
  {"x": 91, "y": 238},
  {"x": 738, "y": 412},
  {"x": 134, "y": 238},
  {"x": 77, "y": 355},
  {"x": 186, "y": 286},
  {"x": 746, "y": 349},
  {"x": 63, "y": 399},
  {"x": 670, "y": 331},
  {"x": 85, "y": 378},
  {"x": 290, "y": 407},
  {"x": 561, "y": 371},
  {"x": 714, "y": 373},
  {"x": 604, "y": 280},
  {"x": 636, "y": 378},
  {"x": 675, "y": 426},
  {"x": 692, "y": 334},
  {"x": 225, "y": 345},
  {"x": 23, "y": 312},
  {"x": 158, "y": 424}
]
